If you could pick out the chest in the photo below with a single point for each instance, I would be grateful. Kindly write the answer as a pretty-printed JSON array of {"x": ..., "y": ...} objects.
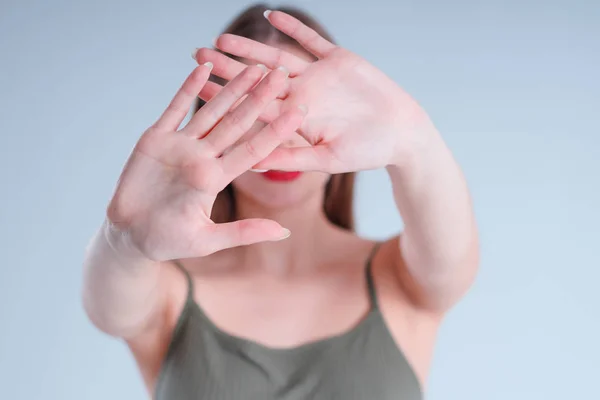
[
  {"x": 284, "y": 313},
  {"x": 363, "y": 364}
]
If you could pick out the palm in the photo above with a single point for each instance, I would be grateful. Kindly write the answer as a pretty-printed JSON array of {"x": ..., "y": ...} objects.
[
  {"x": 167, "y": 190},
  {"x": 164, "y": 184},
  {"x": 351, "y": 111},
  {"x": 357, "y": 116}
]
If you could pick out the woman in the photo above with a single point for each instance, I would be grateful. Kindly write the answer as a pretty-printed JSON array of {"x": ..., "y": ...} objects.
[{"x": 190, "y": 267}]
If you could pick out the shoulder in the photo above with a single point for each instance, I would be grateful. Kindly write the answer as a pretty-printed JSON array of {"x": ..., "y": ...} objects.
[
  {"x": 413, "y": 329},
  {"x": 391, "y": 272},
  {"x": 348, "y": 244}
]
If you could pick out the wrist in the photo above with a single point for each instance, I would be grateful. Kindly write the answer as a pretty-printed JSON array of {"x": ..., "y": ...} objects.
[
  {"x": 413, "y": 130},
  {"x": 412, "y": 145},
  {"x": 119, "y": 242}
]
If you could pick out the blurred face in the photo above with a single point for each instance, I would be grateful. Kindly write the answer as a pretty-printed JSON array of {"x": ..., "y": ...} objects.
[{"x": 277, "y": 189}]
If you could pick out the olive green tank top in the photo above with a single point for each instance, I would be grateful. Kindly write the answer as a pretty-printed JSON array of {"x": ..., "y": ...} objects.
[{"x": 205, "y": 363}]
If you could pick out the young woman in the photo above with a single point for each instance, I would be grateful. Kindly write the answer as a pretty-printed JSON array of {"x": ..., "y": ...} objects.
[{"x": 190, "y": 267}]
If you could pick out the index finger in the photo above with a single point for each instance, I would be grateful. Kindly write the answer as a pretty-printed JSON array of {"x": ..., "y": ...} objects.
[
  {"x": 179, "y": 107},
  {"x": 270, "y": 56},
  {"x": 310, "y": 39}
]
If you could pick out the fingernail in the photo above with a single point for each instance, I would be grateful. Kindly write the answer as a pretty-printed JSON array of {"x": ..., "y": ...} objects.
[
  {"x": 263, "y": 67},
  {"x": 209, "y": 65},
  {"x": 303, "y": 108},
  {"x": 194, "y": 53},
  {"x": 285, "y": 234},
  {"x": 259, "y": 170},
  {"x": 214, "y": 42},
  {"x": 284, "y": 69},
  {"x": 266, "y": 14}
]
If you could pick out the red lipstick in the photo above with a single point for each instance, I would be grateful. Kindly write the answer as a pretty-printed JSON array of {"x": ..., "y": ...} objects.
[{"x": 281, "y": 176}]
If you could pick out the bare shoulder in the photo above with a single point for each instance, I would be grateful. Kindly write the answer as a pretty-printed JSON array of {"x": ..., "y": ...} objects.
[
  {"x": 350, "y": 246},
  {"x": 413, "y": 329}
]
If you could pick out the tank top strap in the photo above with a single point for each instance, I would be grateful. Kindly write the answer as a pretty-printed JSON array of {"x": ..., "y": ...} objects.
[
  {"x": 369, "y": 276},
  {"x": 190, "y": 282}
]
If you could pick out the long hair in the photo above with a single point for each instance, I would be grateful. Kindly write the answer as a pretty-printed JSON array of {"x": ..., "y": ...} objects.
[{"x": 339, "y": 191}]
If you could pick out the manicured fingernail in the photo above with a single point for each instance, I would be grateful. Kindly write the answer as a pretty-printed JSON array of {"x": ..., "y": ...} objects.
[
  {"x": 303, "y": 108},
  {"x": 263, "y": 67},
  {"x": 209, "y": 65},
  {"x": 266, "y": 14},
  {"x": 194, "y": 53},
  {"x": 259, "y": 170},
  {"x": 284, "y": 69},
  {"x": 285, "y": 234}
]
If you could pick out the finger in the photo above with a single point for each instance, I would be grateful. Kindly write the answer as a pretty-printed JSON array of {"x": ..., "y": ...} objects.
[
  {"x": 272, "y": 111},
  {"x": 237, "y": 122},
  {"x": 248, "y": 153},
  {"x": 240, "y": 233},
  {"x": 270, "y": 56},
  {"x": 307, "y": 37},
  {"x": 314, "y": 158},
  {"x": 179, "y": 107},
  {"x": 212, "y": 112},
  {"x": 209, "y": 91},
  {"x": 226, "y": 67}
]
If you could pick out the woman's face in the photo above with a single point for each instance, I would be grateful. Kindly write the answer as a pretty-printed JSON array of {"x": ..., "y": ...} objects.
[{"x": 276, "y": 189}]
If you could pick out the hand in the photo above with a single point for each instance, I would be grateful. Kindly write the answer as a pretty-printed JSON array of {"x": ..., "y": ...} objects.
[
  {"x": 358, "y": 119},
  {"x": 166, "y": 192}
]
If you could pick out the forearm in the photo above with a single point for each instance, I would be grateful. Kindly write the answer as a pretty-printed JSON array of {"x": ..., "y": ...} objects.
[
  {"x": 120, "y": 285},
  {"x": 439, "y": 243}
]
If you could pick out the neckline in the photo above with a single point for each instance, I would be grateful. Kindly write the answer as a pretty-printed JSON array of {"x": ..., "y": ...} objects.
[
  {"x": 313, "y": 345},
  {"x": 250, "y": 345}
]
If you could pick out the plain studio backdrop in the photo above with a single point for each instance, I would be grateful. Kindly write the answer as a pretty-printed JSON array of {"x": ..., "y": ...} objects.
[{"x": 512, "y": 85}]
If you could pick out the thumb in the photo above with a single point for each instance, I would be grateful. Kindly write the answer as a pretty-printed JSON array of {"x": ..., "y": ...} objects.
[
  {"x": 242, "y": 233},
  {"x": 313, "y": 158}
]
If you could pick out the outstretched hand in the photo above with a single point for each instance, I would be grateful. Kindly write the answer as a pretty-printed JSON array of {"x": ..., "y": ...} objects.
[
  {"x": 358, "y": 117},
  {"x": 165, "y": 195}
]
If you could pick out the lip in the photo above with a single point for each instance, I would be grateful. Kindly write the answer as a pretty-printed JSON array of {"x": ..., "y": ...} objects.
[{"x": 282, "y": 176}]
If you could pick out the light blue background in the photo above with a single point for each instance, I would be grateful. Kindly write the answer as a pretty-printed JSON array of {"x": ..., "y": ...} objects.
[{"x": 512, "y": 85}]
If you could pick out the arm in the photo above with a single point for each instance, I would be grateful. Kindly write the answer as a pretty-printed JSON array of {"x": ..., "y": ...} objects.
[
  {"x": 371, "y": 126},
  {"x": 439, "y": 248},
  {"x": 121, "y": 291},
  {"x": 161, "y": 208}
]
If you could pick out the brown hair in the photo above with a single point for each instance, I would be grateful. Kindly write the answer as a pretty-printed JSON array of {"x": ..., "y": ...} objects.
[{"x": 339, "y": 190}]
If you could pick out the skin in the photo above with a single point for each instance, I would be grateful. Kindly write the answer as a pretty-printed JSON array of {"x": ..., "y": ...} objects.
[{"x": 311, "y": 285}]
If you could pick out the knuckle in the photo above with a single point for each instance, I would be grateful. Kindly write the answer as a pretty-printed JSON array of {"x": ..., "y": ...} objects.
[
  {"x": 234, "y": 119},
  {"x": 203, "y": 54},
  {"x": 312, "y": 38},
  {"x": 243, "y": 230},
  {"x": 284, "y": 123},
  {"x": 251, "y": 149},
  {"x": 211, "y": 114},
  {"x": 258, "y": 100},
  {"x": 279, "y": 57},
  {"x": 173, "y": 108},
  {"x": 280, "y": 129},
  {"x": 271, "y": 85},
  {"x": 277, "y": 127},
  {"x": 253, "y": 73},
  {"x": 236, "y": 91},
  {"x": 228, "y": 92}
]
